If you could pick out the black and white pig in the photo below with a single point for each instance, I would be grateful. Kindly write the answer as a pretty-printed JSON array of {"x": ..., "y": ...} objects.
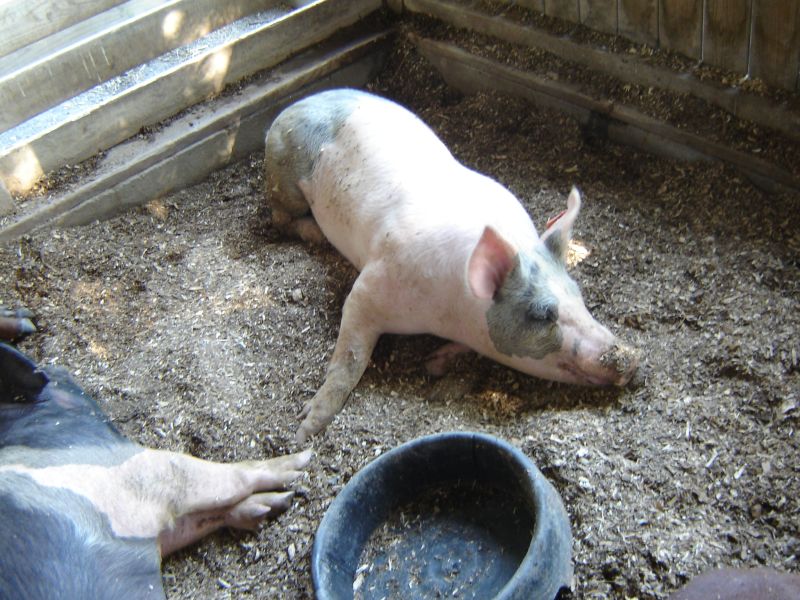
[
  {"x": 86, "y": 513},
  {"x": 440, "y": 248}
]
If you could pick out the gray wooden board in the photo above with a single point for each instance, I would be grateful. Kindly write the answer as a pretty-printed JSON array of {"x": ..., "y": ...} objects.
[
  {"x": 62, "y": 65},
  {"x": 625, "y": 67},
  {"x": 471, "y": 73},
  {"x": 562, "y": 9},
  {"x": 775, "y": 47},
  {"x": 638, "y": 20},
  {"x": 189, "y": 148},
  {"x": 726, "y": 35},
  {"x": 600, "y": 15},
  {"x": 203, "y": 76},
  {"x": 25, "y": 21}
]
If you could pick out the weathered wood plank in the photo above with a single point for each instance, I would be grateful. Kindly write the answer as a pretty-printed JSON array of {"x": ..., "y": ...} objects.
[
  {"x": 600, "y": 15},
  {"x": 189, "y": 148},
  {"x": 471, "y": 73},
  {"x": 775, "y": 47},
  {"x": 625, "y": 67},
  {"x": 638, "y": 20},
  {"x": 25, "y": 21},
  {"x": 122, "y": 116},
  {"x": 537, "y": 5},
  {"x": 562, "y": 9},
  {"x": 6, "y": 202},
  {"x": 680, "y": 26},
  {"x": 41, "y": 75},
  {"x": 726, "y": 35}
]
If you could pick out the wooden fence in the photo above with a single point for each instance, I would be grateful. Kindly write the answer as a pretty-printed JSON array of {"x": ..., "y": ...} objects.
[{"x": 758, "y": 38}]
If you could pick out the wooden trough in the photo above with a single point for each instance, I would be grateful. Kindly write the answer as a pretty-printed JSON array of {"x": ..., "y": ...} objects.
[{"x": 152, "y": 95}]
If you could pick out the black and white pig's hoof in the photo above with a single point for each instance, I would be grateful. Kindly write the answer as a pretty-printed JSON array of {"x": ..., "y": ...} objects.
[
  {"x": 444, "y": 516},
  {"x": 15, "y": 324}
]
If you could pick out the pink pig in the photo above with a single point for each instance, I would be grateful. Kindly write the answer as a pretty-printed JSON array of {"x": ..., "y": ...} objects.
[{"x": 440, "y": 248}]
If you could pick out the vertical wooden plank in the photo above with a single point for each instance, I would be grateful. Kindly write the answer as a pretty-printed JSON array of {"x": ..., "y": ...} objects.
[
  {"x": 638, "y": 20},
  {"x": 562, "y": 9},
  {"x": 775, "y": 48},
  {"x": 537, "y": 5},
  {"x": 726, "y": 34},
  {"x": 680, "y": 26},
  {"x": 600, "y": 15}
]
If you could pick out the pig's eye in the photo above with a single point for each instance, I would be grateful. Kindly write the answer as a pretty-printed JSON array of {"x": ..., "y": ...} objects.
[{"x": 547, "y": 313}]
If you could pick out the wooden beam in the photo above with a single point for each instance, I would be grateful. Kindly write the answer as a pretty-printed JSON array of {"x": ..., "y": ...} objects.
[
  {"x": 470, "y": 73},
  {"x": 119, "y": 117},
  {"x": 189, "y": 148},
  {"x": 58, "y": 67},
  {"x": 23, "y": 22},
  {"x": 625, "y": 67}
]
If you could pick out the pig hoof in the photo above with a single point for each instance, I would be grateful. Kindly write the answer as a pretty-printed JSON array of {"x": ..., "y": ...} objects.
[
  {"x": 249, "y": 513},
  {"x": 15, "y": 324}
]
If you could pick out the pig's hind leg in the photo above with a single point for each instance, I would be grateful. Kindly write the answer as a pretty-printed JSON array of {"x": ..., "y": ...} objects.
[
  {"x": 214, "y": 495},
  {"x": 286, "y": 164}
]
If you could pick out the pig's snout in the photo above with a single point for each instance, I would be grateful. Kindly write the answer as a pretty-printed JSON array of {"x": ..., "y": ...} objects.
[
  {"x": 613, "y": 365},
  {"x": 621, "y": 362}
]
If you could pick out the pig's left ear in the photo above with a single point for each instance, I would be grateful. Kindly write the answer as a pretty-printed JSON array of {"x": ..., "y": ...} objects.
[
  {"x": 556, "y": 237},
  {"x": 490, "y": 263}
]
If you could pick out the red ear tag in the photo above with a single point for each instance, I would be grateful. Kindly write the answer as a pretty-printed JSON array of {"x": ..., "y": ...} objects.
[{"x": 551, "y": 221}]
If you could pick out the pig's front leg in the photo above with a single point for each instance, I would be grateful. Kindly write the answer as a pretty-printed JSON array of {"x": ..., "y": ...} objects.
[
  {"x": 358, "y": 334},
  {"x": 211, "y": 495}
]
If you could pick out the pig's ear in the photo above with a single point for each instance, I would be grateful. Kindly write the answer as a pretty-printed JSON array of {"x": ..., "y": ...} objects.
[
  {"x": 556, "y": 237},
  {"x": 489, "y": 264}
]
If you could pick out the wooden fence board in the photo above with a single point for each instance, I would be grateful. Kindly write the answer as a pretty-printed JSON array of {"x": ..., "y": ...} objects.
[
  {"x": 680, "y": 26},
  {"x": 775, "y": 47},
  {"x": 23, "y": 22},
  {"x": 471, "y": 73},
  {"x": 537, "y": 5},
  {"x": 122, "y": 116},
  {"x": 726, "y": 35},
  {"x": 562, "y": 9},
  {"x": 638, "y": 20},
  {"x": 600, "y": 15},
  {"x": 190, "y": 147},
  {"x": 41, "y": 75},
  {"x": 625, "y": 67}
]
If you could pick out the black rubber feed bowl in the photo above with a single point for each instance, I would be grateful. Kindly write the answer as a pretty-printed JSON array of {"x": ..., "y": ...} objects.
[{"x": 461, "y": 515}]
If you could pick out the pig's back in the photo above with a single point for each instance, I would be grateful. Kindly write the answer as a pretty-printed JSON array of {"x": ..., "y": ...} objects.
[{"x": 386, "y": 183}]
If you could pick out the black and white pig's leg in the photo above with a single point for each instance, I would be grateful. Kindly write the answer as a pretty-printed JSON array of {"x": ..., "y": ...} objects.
[
  {"x": 361, "y": 326},
  {"x": 208, "y": 495},
  {"x": 15, "y": 324}
]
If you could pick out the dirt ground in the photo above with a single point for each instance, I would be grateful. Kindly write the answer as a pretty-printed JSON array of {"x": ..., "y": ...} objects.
[{"x": 200, "y": 330}]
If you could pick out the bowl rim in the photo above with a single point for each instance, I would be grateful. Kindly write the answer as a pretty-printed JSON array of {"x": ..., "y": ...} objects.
[{"x": 547, "y": 564}]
